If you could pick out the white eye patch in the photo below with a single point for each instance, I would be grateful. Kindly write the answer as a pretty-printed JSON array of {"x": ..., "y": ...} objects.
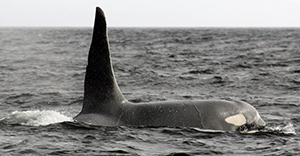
[{"x": 237, "y": 120}]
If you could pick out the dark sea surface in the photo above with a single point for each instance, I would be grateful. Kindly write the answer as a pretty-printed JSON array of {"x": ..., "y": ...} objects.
[{"x": 41, "y": 89}]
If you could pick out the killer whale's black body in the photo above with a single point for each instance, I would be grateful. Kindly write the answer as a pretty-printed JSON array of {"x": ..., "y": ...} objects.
[{"x": 105, "y": 105}]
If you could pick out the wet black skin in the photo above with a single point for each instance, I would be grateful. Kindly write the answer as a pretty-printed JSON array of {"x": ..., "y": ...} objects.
[{"x": 105, "y": 105}]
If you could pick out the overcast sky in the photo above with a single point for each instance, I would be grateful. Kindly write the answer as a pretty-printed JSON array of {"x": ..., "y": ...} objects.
[{"x": 152, "y": 13}]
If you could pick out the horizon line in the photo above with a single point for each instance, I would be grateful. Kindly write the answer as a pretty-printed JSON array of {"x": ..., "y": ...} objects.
[{"x": 152, "y": 27}]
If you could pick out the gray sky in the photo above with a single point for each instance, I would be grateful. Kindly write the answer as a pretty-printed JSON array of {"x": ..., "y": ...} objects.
[{"x": 152, "y": 13}]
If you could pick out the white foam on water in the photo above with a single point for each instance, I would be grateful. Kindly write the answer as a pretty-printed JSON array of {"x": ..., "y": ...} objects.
[
  {"x": 36, "y": 117},
  {"x": 288, "y": 129}
]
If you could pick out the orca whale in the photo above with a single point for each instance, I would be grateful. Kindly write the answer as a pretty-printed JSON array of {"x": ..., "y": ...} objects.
[{"x": 105, "y": 105}]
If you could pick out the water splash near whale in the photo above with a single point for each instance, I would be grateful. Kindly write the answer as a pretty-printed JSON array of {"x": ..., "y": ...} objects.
[{"x": 35, "y": 118}]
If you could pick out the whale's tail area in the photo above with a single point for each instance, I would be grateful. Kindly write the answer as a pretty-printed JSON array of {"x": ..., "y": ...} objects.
[{"x": 101, "y": 90}]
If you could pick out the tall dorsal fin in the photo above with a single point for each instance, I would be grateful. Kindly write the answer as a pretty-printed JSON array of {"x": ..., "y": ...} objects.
[{"x": 101, "y": 90}]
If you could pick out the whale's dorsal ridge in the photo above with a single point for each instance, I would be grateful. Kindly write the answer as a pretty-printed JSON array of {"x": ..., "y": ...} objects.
[{"x": 100, "y": 88}]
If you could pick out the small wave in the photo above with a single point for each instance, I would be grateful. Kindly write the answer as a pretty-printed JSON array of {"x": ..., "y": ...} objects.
[
  {"x": 35, "y": 118},
  {"x": 284, "y": 130},
  {"x": 277, "y": 130},
  {"x": 287, "y": 129}
]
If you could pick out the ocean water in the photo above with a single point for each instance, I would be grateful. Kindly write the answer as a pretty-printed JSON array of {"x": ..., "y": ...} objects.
[{"x": 41, "y": 89}]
